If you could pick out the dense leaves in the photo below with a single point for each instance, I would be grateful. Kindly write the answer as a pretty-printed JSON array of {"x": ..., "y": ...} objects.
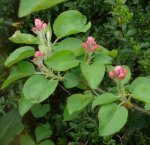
[
  {"x": 121, "y": 26},
  {"x": 10, "y": 126}
]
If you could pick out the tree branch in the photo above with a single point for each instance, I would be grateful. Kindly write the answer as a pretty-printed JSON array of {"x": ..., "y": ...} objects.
[{"x": 137, "y": 108}]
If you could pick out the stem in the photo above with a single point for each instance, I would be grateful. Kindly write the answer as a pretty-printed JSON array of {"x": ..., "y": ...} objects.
[
  {"x": 121, "y": 89},
  {"x": 49, "y": 43},
  {"x": 94, "y": 92},
  {"x": 49, "y": 73},
  {"x": 129, "y": 105},
  {"x": 137, "y": 108},
  {"x": 54, "y": 42},
  {"x": 99, "y": 90},
  {"x": 124, "y": 100},
  {"x": 65, "y": 89}
]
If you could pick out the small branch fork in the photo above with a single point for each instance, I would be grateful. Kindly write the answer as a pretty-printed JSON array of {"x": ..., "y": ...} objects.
[
  {"x": 125, "y": 102},
  {"x": 129, "y": 105}
]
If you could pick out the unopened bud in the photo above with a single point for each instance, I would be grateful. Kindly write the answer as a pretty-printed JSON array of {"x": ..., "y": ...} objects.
[
  {"x": 90, "y": 45},
  {"x": 112, "y": 75},
  {"x": 39, "y": 54},
  {"x": 121, "y": 76},
  {"x": 90, "y": 40},
  {"x": 118, "y": 73},
  {"x": 118, "y": 69},
  {"x": 38, "y": 24},
  {"x": 34, "y": 60}
]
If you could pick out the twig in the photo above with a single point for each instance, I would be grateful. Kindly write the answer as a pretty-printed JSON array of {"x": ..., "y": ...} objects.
[
  {"x": 87, "y": 141},
  {"x": 65, "y": 89},
  {"x": 99, "y": 90},
  {"x": 141, "y": 110}
]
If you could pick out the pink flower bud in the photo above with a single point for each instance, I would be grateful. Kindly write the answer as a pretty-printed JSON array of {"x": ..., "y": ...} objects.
[
  {"x": 34, "y": 29},
  {"x": 95, "y": 46},
  {"x": 90, "y": 45},
  {"x": 118, "y": 69},
  {"x": 91, "y": 40},
  {"x": 34, "y": 60},
  {"x": 124, "y": 71},
  {"x": 38, "y": 24},
  {"x": 118, "y": 72},
  {"x": 112, "y": 75},
  {"x": 121, "y": 76},
  {"x": 84, "y": 45},
  {"x": 39, "y": 54}
]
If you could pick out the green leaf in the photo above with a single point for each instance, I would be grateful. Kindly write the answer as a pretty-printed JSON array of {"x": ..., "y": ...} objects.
[
  {"x": 37, "y": 88},
  {"x": 103, "y": 58},
  {"x": 140, "y": 88},
  {"x": 93, "y": 73},
  {"x": 67, "y": 116},
  {"x": 70, "y": 80},
  {"x": 62, "y": 61},
  {"x": 111, "y": 119},
  {"x": 104, "y": 99},
  {"x": 24, "y": 105},
  {"x": 26, "y": 140},
  {"x": 43, "y": 132},
  {"x": 77, "y": 102},
  {"x": 19, "y": 37},
  {"x": 72, "y": 44},
  {"x": 21, "y": 70},
  {"x": 70, "y": 22},
  {"x": 147, "y": 107},
  {"x": 19, "y": 54},
  {"x": 39, "y": 110},
  {"x": 28, "y": 7},
  {"x": 10, "y": 126},
  {"x": 46, "y": 142}
]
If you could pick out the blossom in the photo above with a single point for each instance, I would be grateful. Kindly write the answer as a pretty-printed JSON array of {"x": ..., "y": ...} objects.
[
  {"x": 118, "y": 73},
  {"x": 34, "y": 60},
  {"x": 39, "y": 25},
  {"x": 90, "y": 45},
  {"x": 39, "y": 54}
]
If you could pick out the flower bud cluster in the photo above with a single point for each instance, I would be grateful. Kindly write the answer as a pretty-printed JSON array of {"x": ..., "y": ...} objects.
[
  {"x": 39, "y": 25},
  {"x": 90, "y": 45},
  {"x": 118, "y": 73}
]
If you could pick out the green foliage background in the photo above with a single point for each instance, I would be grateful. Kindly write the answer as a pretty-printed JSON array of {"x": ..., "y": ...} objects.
[{"x": 116, "y": 24}]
